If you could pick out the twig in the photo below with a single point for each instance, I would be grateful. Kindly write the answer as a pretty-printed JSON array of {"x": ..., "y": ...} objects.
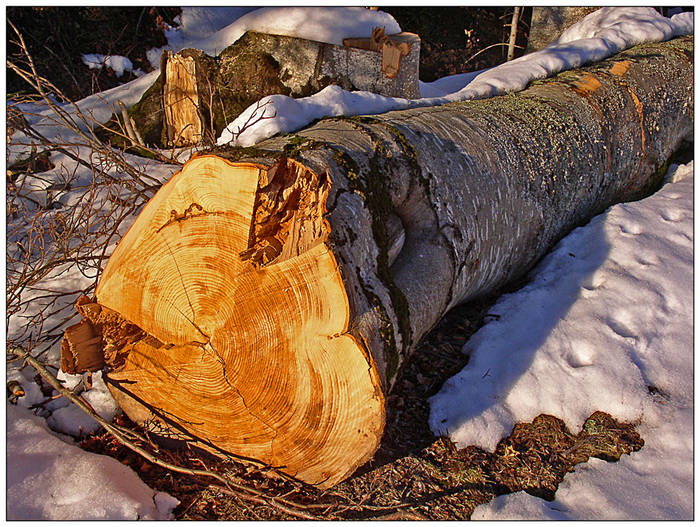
[
  {"x": 67, "y": 120},
  {"x": 127, "y": 124},
  {"x": 266, "y": 501},
  {"x": 253, "y": 119},
  {"x": 487, "y": 48}
]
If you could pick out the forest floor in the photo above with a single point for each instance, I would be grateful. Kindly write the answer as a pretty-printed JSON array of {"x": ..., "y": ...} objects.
[{"x": 414, "y": 475}]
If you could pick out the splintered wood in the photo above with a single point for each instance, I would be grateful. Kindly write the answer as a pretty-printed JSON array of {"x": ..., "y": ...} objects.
[
  {"x": 392, "y": 47},
  {"x": 288, "y": 214},
  {"x": 181, "y": 101},
  {"x": 244, "y": 318},
  {"x": 80, "y": 350},
  {"x": 98, "y": 340}
]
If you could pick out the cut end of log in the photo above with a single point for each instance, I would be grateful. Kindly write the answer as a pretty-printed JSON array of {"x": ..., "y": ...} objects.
[
  {"x": 243, "y": 321},
  {"x": 392, "y": 48}
]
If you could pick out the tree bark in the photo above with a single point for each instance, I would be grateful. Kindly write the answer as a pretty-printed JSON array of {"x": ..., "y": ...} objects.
[{"x": 265, "y": 298}]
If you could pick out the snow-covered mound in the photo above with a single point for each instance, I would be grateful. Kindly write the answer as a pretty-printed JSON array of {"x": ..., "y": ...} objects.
[
  {"x": 605, "y": 324},
  {"x": 323, "y": 24}
]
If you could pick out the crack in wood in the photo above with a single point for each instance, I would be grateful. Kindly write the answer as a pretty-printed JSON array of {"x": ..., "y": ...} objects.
[
  {"x": 179, "y": 273},
  {"x": 191, "y": 212},
  {"x": 220, "y": 360}
]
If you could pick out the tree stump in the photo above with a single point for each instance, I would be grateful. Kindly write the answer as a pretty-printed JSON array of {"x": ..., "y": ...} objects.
[
  {"x": 263, "y": 301},
  {"x": 181, "y": 104},
  {"x": 196, "y": 96}
]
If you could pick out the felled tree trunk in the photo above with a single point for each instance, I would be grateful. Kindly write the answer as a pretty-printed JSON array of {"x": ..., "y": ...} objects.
[
  {"x": 548, "y": 23},
  {"x": 196, "y": 96},
  {"x": 265, "y": 298}
]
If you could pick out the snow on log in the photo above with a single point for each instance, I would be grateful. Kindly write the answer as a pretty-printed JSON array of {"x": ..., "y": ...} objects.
[{"x": 264, "y": 299}]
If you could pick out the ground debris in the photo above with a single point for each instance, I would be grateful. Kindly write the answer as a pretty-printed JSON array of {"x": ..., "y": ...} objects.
[{"x": 414, "y": 475}]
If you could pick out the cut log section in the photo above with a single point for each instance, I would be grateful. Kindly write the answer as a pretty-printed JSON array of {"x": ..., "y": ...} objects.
[
  {"x": 197, "y": 95},
  {"x": 392, "y": 47},
  {"x": 265, "y": 298}
]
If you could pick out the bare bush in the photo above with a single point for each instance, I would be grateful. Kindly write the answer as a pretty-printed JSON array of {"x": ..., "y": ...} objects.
[{"x": 62, "y": 220}]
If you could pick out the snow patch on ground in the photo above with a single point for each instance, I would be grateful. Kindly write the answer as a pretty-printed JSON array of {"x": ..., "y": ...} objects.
[
  {"x": 73, "y": 421},
  {"x": 605, "y": 324},
  {"x": 49, "y": 478},
  {"x": 117, "y": 63},
  {"x": 42, "y": 483}
]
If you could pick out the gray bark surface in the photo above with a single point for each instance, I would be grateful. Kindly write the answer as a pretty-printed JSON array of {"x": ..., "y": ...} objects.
[
  {"x": 483, "y": 189},
  {"x": 307, "y": 64}
]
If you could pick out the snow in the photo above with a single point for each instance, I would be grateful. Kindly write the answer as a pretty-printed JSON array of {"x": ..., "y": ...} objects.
[
  {"x": 117, "y": 63},
  {"x": 48, "y": 477},
  {"x": 330, "y": 24},
  {"x": 86, "y": 113},
  {"x": 73, "y": 421},
  {"x": 606, "y": 316},
  {"x": 197, "y": 23},
  {"x": 601, "y": 34},
  {"x": 628, "y": 27}
]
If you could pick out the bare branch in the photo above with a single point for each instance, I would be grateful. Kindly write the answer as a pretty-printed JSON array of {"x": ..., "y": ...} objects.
[{"x": 254, "y": 118}]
